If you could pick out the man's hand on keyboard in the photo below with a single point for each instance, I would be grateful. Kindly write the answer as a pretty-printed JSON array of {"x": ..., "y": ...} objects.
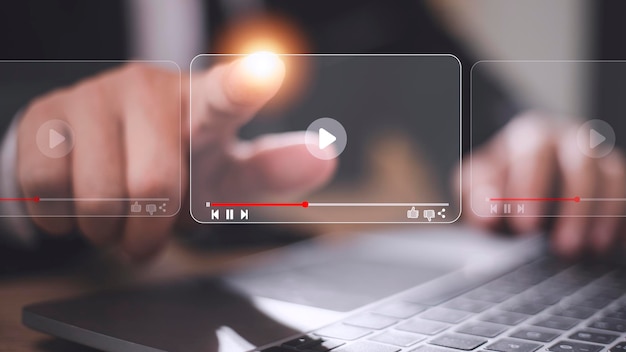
[{"x": 534, "y": 157}]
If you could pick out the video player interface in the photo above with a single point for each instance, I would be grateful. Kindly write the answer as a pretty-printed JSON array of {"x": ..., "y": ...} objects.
[
  {"x": 386, "y": 129},
  {"x": 583, "y": 148},
  {"x": 73, "y": 142}
]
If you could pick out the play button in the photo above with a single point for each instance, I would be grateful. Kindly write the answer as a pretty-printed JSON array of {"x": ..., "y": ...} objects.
[
  {"x": 55, "y": 138},
  {"x": 596, "y": 138},
  {"x": 326, "y": 138}
]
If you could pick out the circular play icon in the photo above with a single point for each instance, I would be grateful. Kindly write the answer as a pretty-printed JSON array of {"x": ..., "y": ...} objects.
[
  {"x": 326, "y": 138},
  {"x": 596, "y": 138},
  {"x": 55, "y": 138}
]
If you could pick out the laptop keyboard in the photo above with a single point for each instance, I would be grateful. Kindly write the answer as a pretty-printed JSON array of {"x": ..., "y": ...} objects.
[{"x": 541, "y": 306}]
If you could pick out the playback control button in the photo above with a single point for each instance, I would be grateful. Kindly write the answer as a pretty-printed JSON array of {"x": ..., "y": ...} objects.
[{"x": 55, "y": 139}]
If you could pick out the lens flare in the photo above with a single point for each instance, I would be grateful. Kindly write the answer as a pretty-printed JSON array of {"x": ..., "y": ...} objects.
[{"x": 262, "y": 65}]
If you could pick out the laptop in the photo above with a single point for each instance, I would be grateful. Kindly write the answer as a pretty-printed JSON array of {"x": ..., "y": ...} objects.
[{"x": 424, "y": 289}]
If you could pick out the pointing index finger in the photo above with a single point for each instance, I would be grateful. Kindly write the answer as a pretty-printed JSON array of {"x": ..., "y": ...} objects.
[{"x": 228, "y": 95}]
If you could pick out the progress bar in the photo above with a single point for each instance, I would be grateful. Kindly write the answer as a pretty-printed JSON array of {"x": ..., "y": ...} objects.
[
  {"x": 379, "y": 204},
  {"x": 103, "y": 199},
  {"x": 306, "y": 204},
  {"x": 576, "y": 199},
  {"x": 535, "y": 199},
  {"x": 603, "y": 199}
]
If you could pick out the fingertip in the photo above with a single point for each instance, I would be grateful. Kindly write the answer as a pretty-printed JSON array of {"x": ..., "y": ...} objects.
[
  {"x": 254, "y": 79},
  {"x": 601, "y": 242},
  {"x": 603, "y": 235},
  {"x": 56, "y": 227},
  {"x": 568, "y": 240},
  {"x": 145, "y": 238},
  {"x": 484, "y": 222},
  {"x": 101, "y": 231},
  {"x": 525, "y": 225},
  {"x": 144, "y": 253}
]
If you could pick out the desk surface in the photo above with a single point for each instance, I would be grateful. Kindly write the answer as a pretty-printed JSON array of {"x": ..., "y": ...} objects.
[{"x": 98, "y": 271}]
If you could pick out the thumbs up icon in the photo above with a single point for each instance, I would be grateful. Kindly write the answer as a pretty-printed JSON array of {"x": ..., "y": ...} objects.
[{"x": 412, "y": 213}]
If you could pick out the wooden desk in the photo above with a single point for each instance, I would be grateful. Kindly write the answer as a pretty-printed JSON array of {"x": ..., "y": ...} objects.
[{"x": 94, "y": 273}]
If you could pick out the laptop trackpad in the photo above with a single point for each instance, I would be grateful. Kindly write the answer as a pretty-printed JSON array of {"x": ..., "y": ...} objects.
[{"x": 343, "y": 278}]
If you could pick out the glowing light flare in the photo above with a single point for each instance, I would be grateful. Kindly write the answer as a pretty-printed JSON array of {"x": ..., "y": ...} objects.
[
  {"x": 255, "y": 77},
  {"x": 262, "y": 66},
  {"x": 274, "y": 34}
]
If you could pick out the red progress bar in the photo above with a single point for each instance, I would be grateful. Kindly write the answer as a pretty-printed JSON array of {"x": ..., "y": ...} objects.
[
  {"x": 301, "y": 204},
  {"x": 33, "y": 199},
  {"x": 573, "y": 199}
]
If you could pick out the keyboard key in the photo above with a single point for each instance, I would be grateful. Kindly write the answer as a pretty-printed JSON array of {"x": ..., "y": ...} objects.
[
  {"x": 398, "y": 338},
  {"x": 578, "y": 312},
  {"x": 541, "y": 297},
  {"x": 277, "y": 349},
  {"x": 573, "y": 276},
  {"x": 535, "y": 335},
  {"x": 614, "y": 280},
  {"x": 483, "y": 294},
  {"x": 445, "y": 315},
  {"x": 400, "y": 310},
  {"x": 555, "y": 322},
  {"x": 593, "y": 337},
  {"x": 324, "y": 346},
  {"x": 343, "y": 332},
  {"x": 370, "y": 321},
  {"x": 592, "y": 302},
  {"x": 618, "y": 314},
  {"x": 482, "y": 329},
  {"x": 609, "y": 324},
  {"x": 613, "y": 293},
  {"x": 468, "y": 305},
  {"x": 571, "y": 346},
  {"x": 424, "y": 327},
  {"x": 505, "y": 286},
  {"x": 547, "y": 266},
  {"x": 552, "y": 289},
  {"x": 365, "y": 346},
  {"x": 506, "y": 318},
  {"x": 599, "y": 291},
  {"x": 436, "y": 295},
  {"x": 621, "y": 307},
  {"x": 427, "y": 348},
  {"x": 459, "y": 342},
  {"x": 510, "y": 345},
  {"x": 302, "y": 342},
  {"x": 525, "y": 275},
  {"x": 620, "y": 347},
  {"x": 524, "y": 307}
]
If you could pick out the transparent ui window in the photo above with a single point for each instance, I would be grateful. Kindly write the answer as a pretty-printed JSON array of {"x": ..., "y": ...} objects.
[
  {"x": 543, "y": 158},
  {"x": 75, "y": 123},
  {"x": 346, "y": 139}
]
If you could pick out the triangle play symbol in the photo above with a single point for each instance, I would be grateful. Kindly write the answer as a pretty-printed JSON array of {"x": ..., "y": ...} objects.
[
  {"x": 325, "y": 138},
  {"x": 595, "y": 138},
  {"x": 55, "y": 139}
]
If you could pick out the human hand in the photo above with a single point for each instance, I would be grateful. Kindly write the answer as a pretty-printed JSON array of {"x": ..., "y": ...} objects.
[
  {"x": 128, "y": 138},
  {"x": 534, "y": 156}
]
